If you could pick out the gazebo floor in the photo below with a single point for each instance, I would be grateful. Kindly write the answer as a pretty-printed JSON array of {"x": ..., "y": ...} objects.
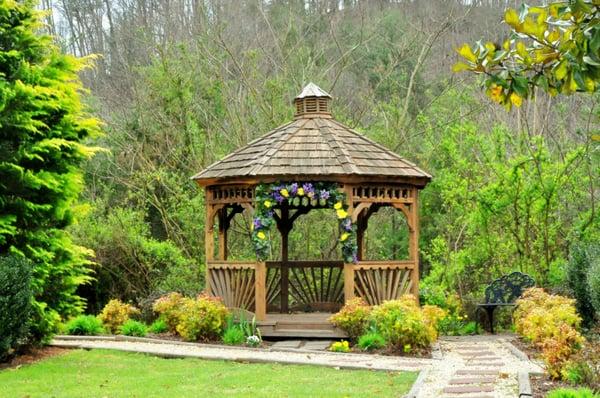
[{"x": 304, "y": 324}]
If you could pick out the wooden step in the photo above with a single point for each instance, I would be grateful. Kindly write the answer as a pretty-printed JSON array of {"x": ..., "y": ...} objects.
[{"x": 333, "y": 334}]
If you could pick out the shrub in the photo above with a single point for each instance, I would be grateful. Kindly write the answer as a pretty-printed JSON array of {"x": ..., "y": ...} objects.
[
  {"x": 353, "y": 318},
  {"x": 158, "y": 326},
  {"x": 371, "y": 341},
  {"x": 583, "y": 368},
  {"x": 539, "y": 315},
  {"x": 593, "y": 281},
  {"x": 134, "y": 328},
  {"x": 578, "y": 271},
  {"x": 115, "y": 313},
  {"x": 433, "y": 316},
  {"x": 403, "y": 324},
  {"x": 84, "y": 325},
  {"x": 169, "y": 307},
  {"x": 550, "y": 322},
  {"x": 15, "y": 303},
  {"x": 202, "y": 318},
  {"x": 340, "y": 346},
  {"x": 455, "y": 321},
  {"x": 570, "y": 393}
]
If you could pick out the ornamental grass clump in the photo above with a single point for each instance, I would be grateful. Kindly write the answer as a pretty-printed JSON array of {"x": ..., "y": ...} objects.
[
  {"x": 134, "y": 328},
  {"x": 84, "y": 325},
  {"x": 372, "y": 340},
  {"x": 353, "y": 318},
  {"x": 551, "y": 323},
  {"x": 115, "y": 313}
]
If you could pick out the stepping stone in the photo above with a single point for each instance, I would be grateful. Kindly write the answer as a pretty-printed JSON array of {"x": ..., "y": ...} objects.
[
  {"x": 472, "y": 353},
  {"x": 287, "y": 344},
  {"x": 478, "y": 372},
  {"x": 471, "y": 348},
  {"x": 467, "y": 389},
  {"x": 500, "y": 364},
  {"x": 482, "y": 359},
  {"x": 317, "y": 345},
  {"x": 473, "y": 380}
]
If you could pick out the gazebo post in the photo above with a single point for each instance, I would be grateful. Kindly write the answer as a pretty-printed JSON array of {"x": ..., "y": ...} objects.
[
  {"x": 413, "y": 241},
  {"x": 284, "y": 226},
  {"x": 260, "y": 290},
  {"x": 349, "y": 267},
  {"x": 209, "y": 242}
]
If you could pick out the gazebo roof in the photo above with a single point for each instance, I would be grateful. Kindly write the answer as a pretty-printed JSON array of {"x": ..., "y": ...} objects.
[{"x": 312, "y": 146}]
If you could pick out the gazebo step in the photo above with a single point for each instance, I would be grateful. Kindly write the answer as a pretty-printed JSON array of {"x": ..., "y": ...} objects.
[{"x": 323, "y": 333}]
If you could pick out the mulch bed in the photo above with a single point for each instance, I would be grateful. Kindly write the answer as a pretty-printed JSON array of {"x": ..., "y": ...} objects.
[{"x": 33, "y": 355}]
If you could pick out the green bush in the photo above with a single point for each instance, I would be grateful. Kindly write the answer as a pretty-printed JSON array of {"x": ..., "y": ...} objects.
[
  {"x": 15, "y": 303},
  {"x": 84, "y": 325},
  {"x": 593, "y": 280},
  {"x": 234, "y": 335},
  {"x": 404, "y": 325},
  {"x": 169, "y": 307},
  {"x": 571, "y": 393},
  {"x": 158, "y": 326},
  {"x": 203, "y": 318},
  {"x": 371, "y": 341},
  {"x": 579, "y": 272},
  {"x": 134, "y": 328},
  {"x": 353, "y": 318}
]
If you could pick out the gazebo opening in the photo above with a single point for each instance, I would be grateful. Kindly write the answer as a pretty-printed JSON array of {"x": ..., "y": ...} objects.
[{"x": 310, "y": 177}]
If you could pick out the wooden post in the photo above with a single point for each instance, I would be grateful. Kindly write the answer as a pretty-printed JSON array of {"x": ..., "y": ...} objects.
[
  {"x": 209, "y": 243},
  {"x": 260, "y": 292},
  {"x": 284, "y": 229},
  {"x": 414, "y": 243},
  {"x": 348, "y": 282}
]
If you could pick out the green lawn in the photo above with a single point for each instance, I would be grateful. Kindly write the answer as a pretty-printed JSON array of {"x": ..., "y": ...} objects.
[{"x": 105, "y": 373}]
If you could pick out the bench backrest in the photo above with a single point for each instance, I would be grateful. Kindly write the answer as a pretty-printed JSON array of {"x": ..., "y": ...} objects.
[{"x": 507, "y": 289}]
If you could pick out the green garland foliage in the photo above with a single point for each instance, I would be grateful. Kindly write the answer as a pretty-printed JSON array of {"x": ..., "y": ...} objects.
[
  {"x": 42, "y": 129},
  {"x": 298, "y": 194}
]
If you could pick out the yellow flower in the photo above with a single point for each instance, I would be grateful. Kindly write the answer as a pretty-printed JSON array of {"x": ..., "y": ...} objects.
[
  {"x": 267, "y": 203},
  {"x": 341, "y": 213},
  {"x": 251, "y": 227},
  {"x": 496, "y": 93},
  {"x": 516, "y": 100},
  {"x": 337, "y": 206},
  {"x": 284, "y": 192},
  {"x": 300, "y": 191},
  {"x": 261, "y": 235},
  {"x": 344, "y": 236}
]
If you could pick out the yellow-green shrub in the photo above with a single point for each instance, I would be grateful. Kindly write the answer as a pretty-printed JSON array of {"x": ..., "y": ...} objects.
[
  {"x": 203, "y": 318},
  {"x": 340, "y": 346},
  {"x": 433, "y": 315},
  {"x": 115, "y": 313},
  {"x": 404, "y": 325},
  {"x": 353, "y": 318},
  {"x": 550, "y": 322},
  {"x": 539, "y": 315},
  {"x": 169, "y": 308}
]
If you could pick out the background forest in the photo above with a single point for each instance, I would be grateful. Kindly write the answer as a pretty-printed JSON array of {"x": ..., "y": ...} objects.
[{"x": 181, "y": 83}]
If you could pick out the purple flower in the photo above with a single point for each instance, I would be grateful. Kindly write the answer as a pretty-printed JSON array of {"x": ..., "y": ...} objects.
[
  {"x": 308, "y": 188},
  {"x": 324, "y": 194},
  {"x": 294, "y": 188},
  {"x": 354, "y": 258},
  {"x": 270, "y": 213},
  {"x": 347, "y": 225},
  {"x": 257, "y": 223},
  {"x": 278, "y": 197}
]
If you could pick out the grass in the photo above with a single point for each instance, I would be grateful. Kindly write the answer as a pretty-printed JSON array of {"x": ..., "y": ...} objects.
[{"x": 106, "y": 373}]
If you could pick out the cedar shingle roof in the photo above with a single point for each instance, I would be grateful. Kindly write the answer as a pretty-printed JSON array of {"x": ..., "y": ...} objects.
[{"x": 313, "y": 146}]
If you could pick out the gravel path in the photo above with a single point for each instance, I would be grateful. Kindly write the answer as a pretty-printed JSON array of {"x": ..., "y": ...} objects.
[{"x": 466, "y": 367}]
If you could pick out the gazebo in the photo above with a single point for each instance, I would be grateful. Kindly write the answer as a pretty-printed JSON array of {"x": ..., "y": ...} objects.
[{"x": 309, "y": 163}]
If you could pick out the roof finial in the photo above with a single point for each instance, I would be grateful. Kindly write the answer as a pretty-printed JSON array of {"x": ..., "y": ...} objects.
[{"x": 312, "y": 102}]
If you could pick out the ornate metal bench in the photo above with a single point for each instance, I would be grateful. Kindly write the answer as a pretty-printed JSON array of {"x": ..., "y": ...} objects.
[{"x": 504, "y": 292}]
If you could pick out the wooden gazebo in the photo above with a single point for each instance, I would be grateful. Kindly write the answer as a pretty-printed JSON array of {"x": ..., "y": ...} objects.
[{"x": 293, "y": 297}]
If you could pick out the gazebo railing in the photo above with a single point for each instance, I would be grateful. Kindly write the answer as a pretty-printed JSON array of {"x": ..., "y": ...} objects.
[
  {"x": 234, "y": 282},
  {"x": 378, "y": 281}
]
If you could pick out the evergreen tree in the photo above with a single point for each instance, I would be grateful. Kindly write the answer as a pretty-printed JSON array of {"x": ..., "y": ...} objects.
[{"x": 43, "y": 127}]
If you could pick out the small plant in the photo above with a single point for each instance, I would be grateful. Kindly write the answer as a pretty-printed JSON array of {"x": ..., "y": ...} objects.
[
  {"x": 134, "y": 328},
  {"x": 372, "y": 340},
  {"x": 340, "y": 346},
  {"x": 570, "y": 393},
  {"x": 169, "y": 307},
  {"x": 234, "y": 336},
  {"x": 250, "y": 328},
  {"x": 115, "y": 313},
  {"x": 158, "y": 326},
  {"x": 253, "y": 341},
  {"x": 84, "y": 325},
  {"x": 353, "y": 318}
]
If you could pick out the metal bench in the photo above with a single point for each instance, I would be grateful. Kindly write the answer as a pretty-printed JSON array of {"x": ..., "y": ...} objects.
[{"x": 503, "y": 292}]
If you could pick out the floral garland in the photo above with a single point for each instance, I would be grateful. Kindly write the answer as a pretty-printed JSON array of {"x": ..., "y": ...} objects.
[{"x": 296, "y": 194}]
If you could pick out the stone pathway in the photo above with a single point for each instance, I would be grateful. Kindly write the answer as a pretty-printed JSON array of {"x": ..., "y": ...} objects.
[
  {"x": 475, "y": 367},
  {"x": 463, "y": 367}
]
